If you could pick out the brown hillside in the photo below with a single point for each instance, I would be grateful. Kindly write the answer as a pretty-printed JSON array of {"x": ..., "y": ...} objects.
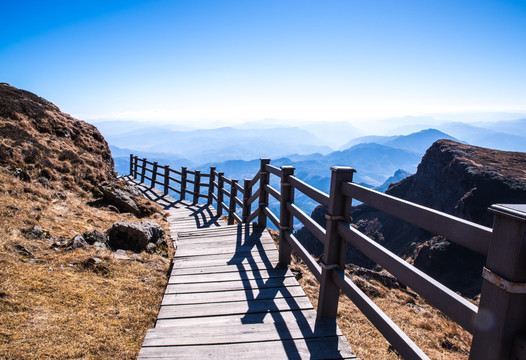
[
  {"x": 59, "y": 301},
  {"x": 49, "y": 146}
]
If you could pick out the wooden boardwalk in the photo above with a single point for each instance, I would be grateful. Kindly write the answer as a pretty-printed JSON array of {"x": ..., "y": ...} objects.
[{"x": 227, "y": 298}]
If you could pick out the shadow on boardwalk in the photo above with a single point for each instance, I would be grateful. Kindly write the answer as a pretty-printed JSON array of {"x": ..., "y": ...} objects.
[{"x": 270, "y": 290}]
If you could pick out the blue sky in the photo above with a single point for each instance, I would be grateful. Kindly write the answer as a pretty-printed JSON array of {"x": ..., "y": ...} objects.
[{"x": 196, "y": 61}]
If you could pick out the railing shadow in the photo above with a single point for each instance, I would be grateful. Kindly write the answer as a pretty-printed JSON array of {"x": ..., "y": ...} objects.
[
  {"x": 202, "y": 214},
  {"x": 248, "y": 239}
]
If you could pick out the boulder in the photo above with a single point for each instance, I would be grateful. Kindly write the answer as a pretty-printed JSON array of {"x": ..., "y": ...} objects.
[
  {"x": 94, "y": 236},
  {"x": 77, "y": 242},
  {"x": 120, "y": 198},
  {"x": 134, "y": 236},
  {"x": 36, "y": 232}
]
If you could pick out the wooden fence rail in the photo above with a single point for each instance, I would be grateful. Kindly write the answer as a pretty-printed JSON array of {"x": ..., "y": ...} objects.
[{"x": 498, "y": 325}]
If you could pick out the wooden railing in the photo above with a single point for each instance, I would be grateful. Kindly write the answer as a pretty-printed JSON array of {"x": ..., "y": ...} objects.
[{"x": 498, "y": 325}]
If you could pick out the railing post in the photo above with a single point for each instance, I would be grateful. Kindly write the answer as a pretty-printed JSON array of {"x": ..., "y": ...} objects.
[
  {"x": 247, "y": 193},
  {"x": 210, "y": 198},
  {"x": 501, "y": 319},
  {"x": 166, "y": 179},
  {"x": 197, "y": 186},
  {"x": 131, "y": 164},
  {"x": 220, "y": 185},
  {"x": 154, "y": 173},
  {"x": 143, "y": 172},
  {"x": 183, "y": 183},
  {"x": 263, "y": 195},
  {"x": 286, "y": 220},
  {"x": 334, "y": 251},
  {"x": 232, "y": 204},
  {"x": 135, "y": 165}
]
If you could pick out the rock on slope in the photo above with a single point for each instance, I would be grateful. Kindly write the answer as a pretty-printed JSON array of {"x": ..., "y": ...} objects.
[
  {"x": 458, "y": 179},
  {"x": 41, "y": 143}
]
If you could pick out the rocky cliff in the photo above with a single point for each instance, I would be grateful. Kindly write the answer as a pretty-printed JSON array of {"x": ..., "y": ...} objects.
[
  {"x": 458, "y": 179},
  {"x": 41, "y": 143}
]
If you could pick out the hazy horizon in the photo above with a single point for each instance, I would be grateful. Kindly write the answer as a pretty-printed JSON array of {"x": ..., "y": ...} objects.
[{"x": 379, "y": 126}]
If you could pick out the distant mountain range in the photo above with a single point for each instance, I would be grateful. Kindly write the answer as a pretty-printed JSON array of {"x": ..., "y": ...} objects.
[
  {"x": 236, "y": 150},
  {"x": 505, "y": 135},
  {"x": 417, "y": 142},
  {"x": 201, "y": 146}
]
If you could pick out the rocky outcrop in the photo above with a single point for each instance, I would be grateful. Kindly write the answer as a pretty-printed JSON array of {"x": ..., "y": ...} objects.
[
  {"x": 134, "y": 236},
  {"x": 39, "y": 142},
  {"x": 457, "y": 179},
  {"x": 120, "y": 198}
]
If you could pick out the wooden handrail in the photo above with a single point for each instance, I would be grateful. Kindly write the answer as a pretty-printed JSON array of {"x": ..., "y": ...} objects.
[
  {"x": 319, "y": 196},
  {"x": 239, "y": 188},
  {"x": 238, "y": 201},
  {"x": 174, "y": 179},
  {"x": 273, "y": 218},
  {"x": 275, "y": 193},
  {"x": 450, "y": 303},
  {"x": 227, "y": 180},
  {"x": 176, "y": 172},
  {"x": 273, "y": 170},
  {"x": 253, "y": 216},
  {"x": 255, "y": 180},
  {"x": 307, "y": 258},
  {"x": 465, "y": 233},
  {"x": 504, "y": 256},
  {"x": 254, "y": 197},
  {"x": 306, "y": 220}
]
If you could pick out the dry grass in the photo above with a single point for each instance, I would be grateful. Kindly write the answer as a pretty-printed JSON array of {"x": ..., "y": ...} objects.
[
  {"x": 53, "y": 303},
  {"x": 433, "y": 332}
]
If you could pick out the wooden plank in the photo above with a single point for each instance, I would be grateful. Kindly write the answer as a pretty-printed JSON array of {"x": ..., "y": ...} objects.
[
  {"x": 227, "y": 241},
  {"x": 229, "y": 276},
  {"x": 228, "y": 259},
  {"x": 233, "y": 239},
  {"x": 227, "y": 334},
  {"x": 221, "y": 268},
  {"x": 198, "y": 263},
  {"x": 234, "y": 295},
  {"x": 224, "y": 230},
  {"x": 315, "y": 348},
  {"x": 229, "y": 285},
  {"x": 233, "y": 308},
  {"x": 213, "y": 260},
  {"x": 230, "y": 250},
  {"x": 234, "y": 320}
]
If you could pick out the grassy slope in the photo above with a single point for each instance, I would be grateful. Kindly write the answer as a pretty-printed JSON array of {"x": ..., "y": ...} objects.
[{"x": 52, "y": 304}]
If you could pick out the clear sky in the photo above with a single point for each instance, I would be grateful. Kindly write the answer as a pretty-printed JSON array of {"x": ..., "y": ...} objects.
[{"x": 195, "y": 60}]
